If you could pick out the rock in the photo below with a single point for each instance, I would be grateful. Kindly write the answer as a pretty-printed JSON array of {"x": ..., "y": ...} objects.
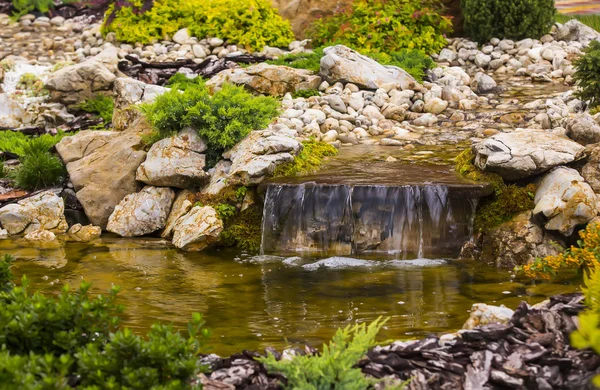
[
  {"x": 256, "y": 156},
  {"x": 482, "y": 314},
  {"x": 44, "y": 211},
  {"x": 105, "y": 176},
  {"x": 566, "y": 200},
  {"x": 76, "y": 83},
  {"x": 267, "y": 79},
  {"x": 425, "y": 120},
  {"x": 86, "y": 233},
  {"x": 447, "y": 55},
  {"x": 175, "y": 162},
  {"x": 523, "y": 153},
  {"x": 85, "y": 142},
  {"x": 436, "y": 106},
  {"x": 342, "y": 64},
  {"x": 591, "y": 170},
  {"x": 40, "y": 235},
  {"x": 181, "y": 36},
  {"x": 198, "y": 229},
  {"x": 181, "y": 206},
  {"x": 142, "y": 213},
  {"x": 482, "y": 60},
  {"x": 129, "y": 92},
  {"x": 330, "y": 136},
  {"x": 583, "y": 129},
  {"x": 482, "y": 83},
  {"x": 518, "y": 242},
  {"x": 574, "y": 30}
]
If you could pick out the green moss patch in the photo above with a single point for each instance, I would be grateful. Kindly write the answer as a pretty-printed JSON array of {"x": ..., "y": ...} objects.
[{"x": 308, "y": 160}]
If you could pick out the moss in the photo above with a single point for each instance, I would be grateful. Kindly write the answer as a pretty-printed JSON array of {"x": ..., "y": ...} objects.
[
  {"x": 308, "y": 161},
  {"x": 464, "y": 166},
  {"x": 502, "y": 207},
  {"x": 306, "y": 93},
  {"x": 506, "y": 201},
  {"x": 244, "y": 230}
]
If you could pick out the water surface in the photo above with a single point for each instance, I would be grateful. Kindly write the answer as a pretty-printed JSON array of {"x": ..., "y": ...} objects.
[{"x": 251, "y": 302}]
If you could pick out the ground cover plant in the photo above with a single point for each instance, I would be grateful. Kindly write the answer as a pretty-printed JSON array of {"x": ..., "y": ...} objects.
[
  {"x": 39, "y": 168},
  {"x": 222, "y": 119},
  {"x": 100, "y": 105},
  {"x": 415, "y": 62},
  {"x": 486, "y": 19},
  {"x": 251, "y": 24},
  {"x": 587, "y": 74},
  {"x": 385, "y": 26}
]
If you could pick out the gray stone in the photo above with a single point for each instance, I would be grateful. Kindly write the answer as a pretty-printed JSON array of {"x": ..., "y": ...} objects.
[
  {"x": 482, "y": 83},
  {"x": 198, "y": 229},
  {"x": 583, "y": 129}
]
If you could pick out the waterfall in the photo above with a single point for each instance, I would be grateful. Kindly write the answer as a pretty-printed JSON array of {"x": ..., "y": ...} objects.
[{"x": 412, "y": 221}]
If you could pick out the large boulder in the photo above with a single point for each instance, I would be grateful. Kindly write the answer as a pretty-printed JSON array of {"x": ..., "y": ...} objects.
[
  {"x": 523, "y": 153},
  {"x": 175, "y": 162},
  {"x": 583, "y": 129},
  {"x": 198, "y": 229},
  {"x": 566, "y": 200},
  {"x": 256, "y": 156},
  {"x": 105, "y": 173},
  {"x": 518, "y": 242},
  {"x": 142, "y": 213},
  {"x": 76, "y": 83},
  {"x": 267, "y": 79},
  {"x": 85, "y": 142},
  {"x": 342, "y": 64},
  {"x": 301, "y": 13},
  {"x": 184, "y": 201},
  {"x": 574, "y": 30},
  {"x": 591, "y": 170},
  {"x": 44, "y": 211}
]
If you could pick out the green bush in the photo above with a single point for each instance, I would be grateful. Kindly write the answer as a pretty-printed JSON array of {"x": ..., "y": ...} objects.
[
  {"x": 73, "y": 339},
  {"x": 182, "y": 82},
  {"x": 513, "y": 19},
  {"x": 23, "y": 7},
  {"x": 415, "y": 62},
  {"x": 251, "y": 24},
  {"x": 17, "y": 143},
  {"x": 385, "y": 26},
  {"x": 587, "y": 74},
  {"x": 222, "y": 119},
  {"x": 335, "y": 367},
  {"x": 100, "y": 105}
]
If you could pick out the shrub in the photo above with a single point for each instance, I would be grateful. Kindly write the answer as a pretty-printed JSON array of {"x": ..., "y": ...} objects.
[
  {"x": 100, "y": 105},
  {"x": 244, "y": 230},
  {"x": 38, "y": 170},
  {"x": 586, "y": 254},
  {"x": 308, "y": 160},
  {"x": 74, "y": 339},
  {"x": 248, "y": 23},
  {"x": 486, "y": 19},
  {"x": 335, "y": 367},
  {"x": 385, "y": 26},
  {"x": 222, "y": 120},
  {"x": 587, "y": 74},
  {"x": 415, "y": 62},
  {"x": 182, "y": 82},
  {"x": 23, "y": 7},
  {"x": 18, "y": 143}
]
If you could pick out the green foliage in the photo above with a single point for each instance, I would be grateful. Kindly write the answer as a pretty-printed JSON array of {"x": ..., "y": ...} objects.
[
  {"x": 506, "y": 201},
  {"x": 591, "y": 20},
  {"x": 39, "y": 170},
  {"x": 46, "y": 342},
  {"x": 32, "y": 84},
  {"x": 18, "y": 143},
  {"x": 225, "y": 211},
  {"x": 334, "y": 368},
  {"x": 415, "y": 62},
  {"x": 306, "y": 93},
  {"x": 308, "y": 160},
  {"x": 100, "y": 105},
  {"x": 251, "y": 24},
  {"x": 182, "y": 82},
  {"x": 385, "y": 26},
  {"x": 244, "y": 230},
  {"x": 23, "y": 7},
  {"x": 587, "y": 74},
  {"x": 486, "y": 19},
  {"x": 222, "y": 120}
]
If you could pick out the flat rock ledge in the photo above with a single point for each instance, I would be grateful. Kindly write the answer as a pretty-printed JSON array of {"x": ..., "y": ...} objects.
[{"x": 531, "y": 351}]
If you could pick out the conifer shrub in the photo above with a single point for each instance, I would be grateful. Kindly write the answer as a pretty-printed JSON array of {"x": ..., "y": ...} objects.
[
  {"x": 74, "y": 340},
  {"x": 512, "y": 19},
  {"x": 222, "y": 119},
  {"x": 587, "y": 74},
  {"x": 251, "y": 24},
  {"x": 101, "y": 105},
  {"x": 385, "y": 26}
]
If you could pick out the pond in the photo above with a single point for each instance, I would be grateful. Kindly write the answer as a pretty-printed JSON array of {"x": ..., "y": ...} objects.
[{"x": 251, "y": 302}]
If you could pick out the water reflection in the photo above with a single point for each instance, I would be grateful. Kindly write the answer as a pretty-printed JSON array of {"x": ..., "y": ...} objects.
[{"x": 251, "y": 302}]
